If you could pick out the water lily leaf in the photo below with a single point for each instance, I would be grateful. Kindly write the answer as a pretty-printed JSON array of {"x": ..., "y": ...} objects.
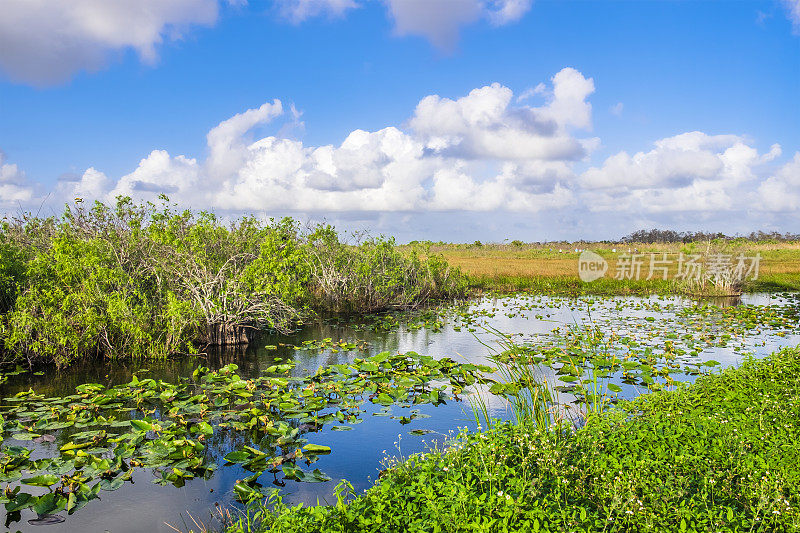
[
  {"x": 49, "y": 503},
  {"x": 316, "y": 448},
  {"x": 111, "y": 484},
  {"x": 89, "y": 388},
  {"x": 141, "y": 425},
  {"x": 237, "y": 456},
  {"x": 53, "y": 426},
  {"x": 75, "y": 446},
  {"x": 43, "y": 480},
  {"x": 21, "y": 501},
  {"x": 383, "y": 399},
  {"x": 204, "y": 428},
  {"x": 380, "y": 358},
  {"x": 24, "y": 435},
  {"x": 246, "y": 493},
  {"x": 316, "y": 476}
]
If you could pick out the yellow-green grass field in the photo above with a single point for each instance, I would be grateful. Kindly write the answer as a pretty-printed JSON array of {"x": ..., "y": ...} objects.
[{"x": 553, "y": 267}]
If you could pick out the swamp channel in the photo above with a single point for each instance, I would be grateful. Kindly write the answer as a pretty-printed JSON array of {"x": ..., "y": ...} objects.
[{"x": 129, "y": 446}]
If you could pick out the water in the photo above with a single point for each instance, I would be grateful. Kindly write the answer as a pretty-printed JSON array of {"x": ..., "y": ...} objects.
[{"x": 358, "y": 455}]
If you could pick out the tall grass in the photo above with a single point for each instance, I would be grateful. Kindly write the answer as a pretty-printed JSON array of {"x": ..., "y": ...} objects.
[
  {"x": 587, "y": 359},
  {"x": 522, "y": 384}
]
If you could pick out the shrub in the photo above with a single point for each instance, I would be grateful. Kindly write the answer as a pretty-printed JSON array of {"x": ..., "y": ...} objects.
[{"x": 147, "y": 280}]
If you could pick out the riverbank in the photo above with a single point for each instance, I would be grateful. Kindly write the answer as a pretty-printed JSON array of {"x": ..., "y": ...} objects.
[{"x": 719, "y": 455}]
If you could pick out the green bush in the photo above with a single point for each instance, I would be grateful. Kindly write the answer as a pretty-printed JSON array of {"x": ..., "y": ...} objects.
[
  {"x": 147, "y": 281},
  {"x": 12, "y": 273},
  {"x": 373, "y": 275}
]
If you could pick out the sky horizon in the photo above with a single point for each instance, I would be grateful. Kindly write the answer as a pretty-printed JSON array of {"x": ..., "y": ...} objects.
[{"x": 453, "y": 120}]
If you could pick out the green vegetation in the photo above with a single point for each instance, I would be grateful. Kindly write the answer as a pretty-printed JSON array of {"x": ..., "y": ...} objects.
[
  {"x": 58, "y": 454},
  {"x": 149, "y": 281},
  {"x": 718, "y": 455},
  {"x": 570, "y": 285}
]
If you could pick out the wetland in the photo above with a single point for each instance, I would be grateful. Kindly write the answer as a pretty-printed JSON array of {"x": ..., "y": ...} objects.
[{"x": 98, "y": 444}]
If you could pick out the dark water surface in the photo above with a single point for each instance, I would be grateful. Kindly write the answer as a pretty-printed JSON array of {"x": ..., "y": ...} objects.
[{"x": 357, "y": 455}]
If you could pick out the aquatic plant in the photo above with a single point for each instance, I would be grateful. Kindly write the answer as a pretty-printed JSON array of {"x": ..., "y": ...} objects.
[
  {"x": 522, "y": 384},
  {"x": 93, "y": 440}
]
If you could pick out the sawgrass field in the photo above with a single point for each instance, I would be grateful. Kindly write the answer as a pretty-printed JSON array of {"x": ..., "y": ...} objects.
[{"x": 554, "y": 266}]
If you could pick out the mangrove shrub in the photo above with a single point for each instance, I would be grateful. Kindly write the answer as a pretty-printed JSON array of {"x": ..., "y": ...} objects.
[{"x": 146, "y": 280}]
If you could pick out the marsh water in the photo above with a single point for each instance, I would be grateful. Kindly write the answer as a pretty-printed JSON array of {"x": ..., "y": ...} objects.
[{"x": 359, "y": 454}]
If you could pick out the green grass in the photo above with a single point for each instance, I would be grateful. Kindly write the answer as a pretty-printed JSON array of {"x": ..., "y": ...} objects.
[
  {"x": 720, "y": 455},
  {"x": 781, "y": 282},
  {"x": 572, "y": 286}
]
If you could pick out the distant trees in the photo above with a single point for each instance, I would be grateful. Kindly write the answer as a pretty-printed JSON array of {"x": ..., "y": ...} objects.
[{"x": 664, "y": 236}]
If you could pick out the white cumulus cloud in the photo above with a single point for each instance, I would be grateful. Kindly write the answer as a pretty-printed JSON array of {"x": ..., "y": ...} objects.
[
  {"x": 484, "y": 124},
  {"x": 43, "y": 42},
  {"x": 299, "y": 10},
  {"x": 441, "y": 21},
  {"x": 692, "y": 171},
  {"x": 479, "y": 152},
  {"x": 14, "y": 187},
  {"x": 781, "y": 192}
]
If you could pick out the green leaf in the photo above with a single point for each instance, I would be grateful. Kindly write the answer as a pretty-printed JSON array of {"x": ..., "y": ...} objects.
[
  {"x": 25, "y": 435},
  {"x": 43, "y": 480},
  {"x": 49, "y": 504},
  {"x": 112, "y": 484},
  {"x": 75, "y": 446},
  {"x": 141, "y": 425},
  {"x": 316, "y": 449},
  {"x": 204, "y": 428},
  {"x": 237, "y": 456}
]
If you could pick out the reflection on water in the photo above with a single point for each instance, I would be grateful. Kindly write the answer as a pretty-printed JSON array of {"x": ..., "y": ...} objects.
[
  {"x": 721, "y": 301},
  {"x": 357, "y": 454}
]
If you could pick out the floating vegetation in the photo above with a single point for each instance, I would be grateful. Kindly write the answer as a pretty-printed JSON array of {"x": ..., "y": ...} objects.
[
  {"x": 329, "y": 344},
  {"x": 613, "y": 348},
  {"x": 94, "y": 439}
]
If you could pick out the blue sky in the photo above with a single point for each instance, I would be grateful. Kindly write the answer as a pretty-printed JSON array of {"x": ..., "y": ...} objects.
[{"x": 671, "y": 114}]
